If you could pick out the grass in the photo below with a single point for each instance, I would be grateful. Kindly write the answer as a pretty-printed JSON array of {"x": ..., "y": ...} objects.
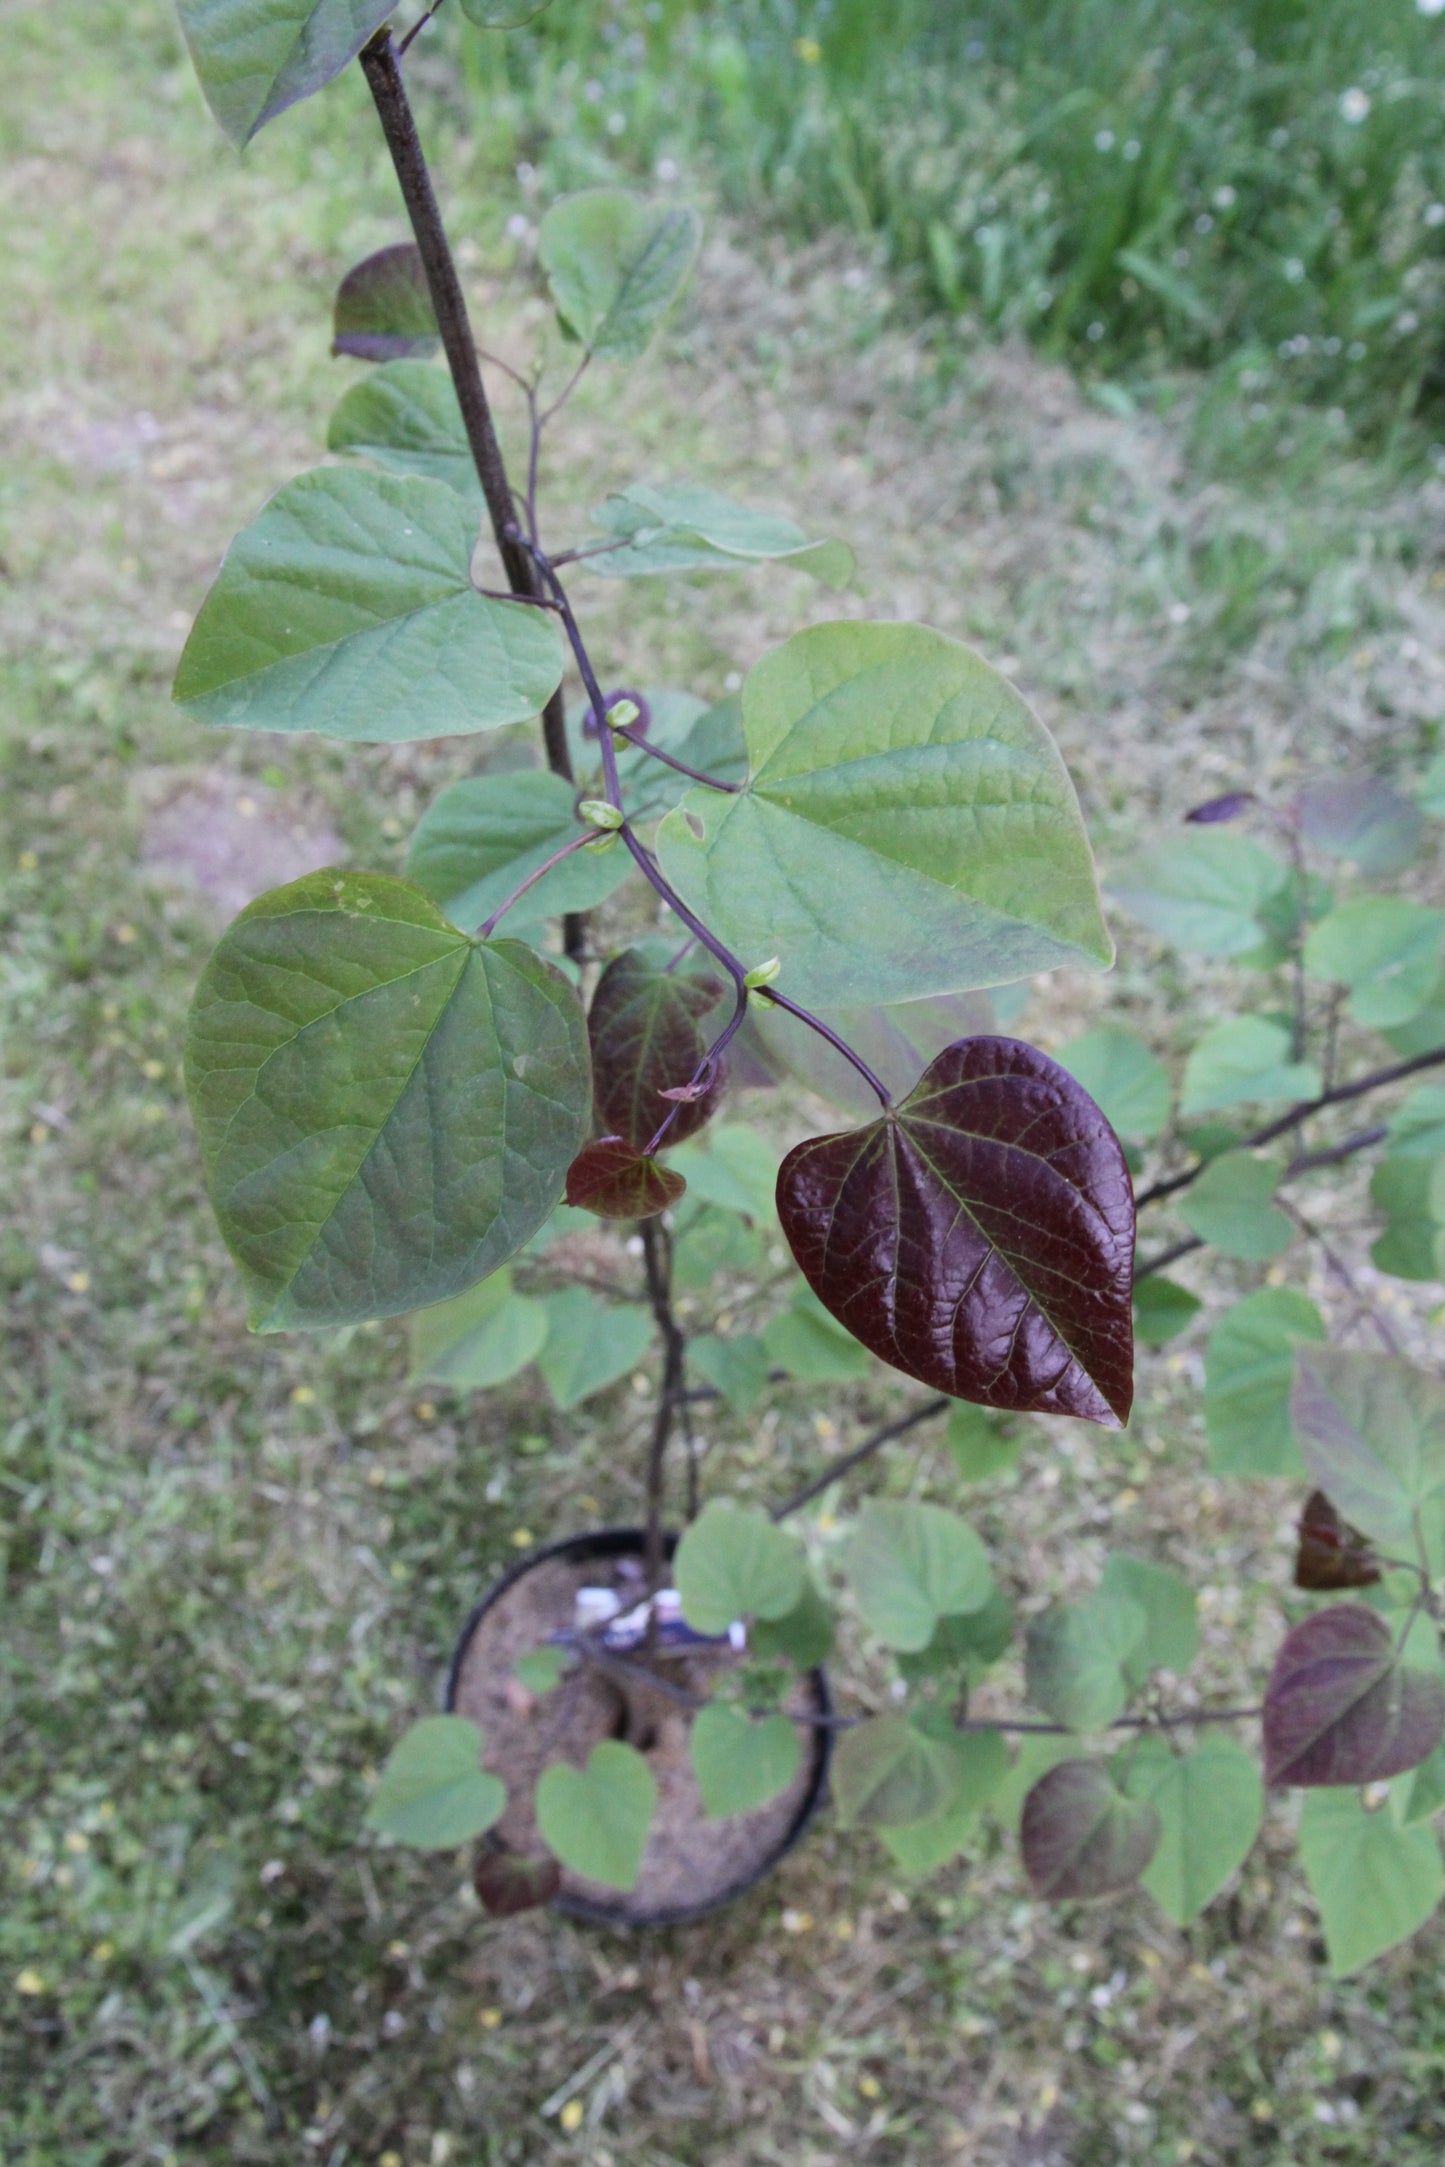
[
  {"x": 233, "y": 1567},
  {"x": 1136, "y": 186}
]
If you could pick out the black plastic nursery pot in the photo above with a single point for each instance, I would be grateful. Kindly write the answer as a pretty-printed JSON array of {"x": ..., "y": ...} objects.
[{"x": 692, "y": 1866}]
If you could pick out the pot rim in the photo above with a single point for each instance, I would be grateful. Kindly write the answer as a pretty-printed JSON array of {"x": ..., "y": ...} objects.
[{"x": 615, "y": 1542}]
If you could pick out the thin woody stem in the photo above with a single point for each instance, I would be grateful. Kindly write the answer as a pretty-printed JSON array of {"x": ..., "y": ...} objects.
[
  {"x": 839, "y": 1045},
  {"x": 643, "y": 744},
  {"x": 380, "y": 64},
  {"x": 703, "y": 1073},
  {"x": 657, "y": 1263}
]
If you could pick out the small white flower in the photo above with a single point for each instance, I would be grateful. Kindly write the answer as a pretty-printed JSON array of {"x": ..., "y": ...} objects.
[
  {"x": 1104, "y": 140},
  {"x": 1224, "y": 198},
  {"x": 1354, "y": 106},
  {"x": 518, "y": 227}
]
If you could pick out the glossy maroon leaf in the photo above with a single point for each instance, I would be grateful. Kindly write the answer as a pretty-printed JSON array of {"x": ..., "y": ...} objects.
[
  {"x": 1331, "y": 1553},
  {"x": 1215, "y": 810},
  {"x": 383, "y": 308},
  {"x": 616, "y": 1182},
  {"x": 1341, "y": 1709},
  {"x": 508, "y": 1883},
  {"x": 647, "y": 1038},
  {"x": 1081, "y": 1836},
  {"x": 980, "y": 1236}
]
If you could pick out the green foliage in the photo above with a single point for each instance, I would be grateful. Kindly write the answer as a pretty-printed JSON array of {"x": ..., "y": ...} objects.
[
  {"x": 1162, "y": 1310},
  {"x": 433, "y": 1791},
  {"x": 479, "y": 1338},
  {"x": 908, "y": 1565},
  {"x": 1372, "y": 1431},
  {"x": 1206, "y": 892},
  {"x": 1412, "y": 1197},
  {"x": 736, "y": 1367},
  {"x": 975, "y": 876},
  {"x": 920, "y": 1847},
  {"x": 542, "y": 1670},
  {"x": 1248, "y": 1373},
  {"x": 803, "y": 1634},
  {"x": 684, "y": 527},
  {"x": 1210, "y": 1803},
  {"x": 347, "y": 607},
  {"x": 597, "y": 1819},
  {"x": 1245, "y": 1061},
  {"x": 1082, "y": 1837},
  {"x": 480, "y": 839},
  {"x": 616, "y": 265},
  {"x": 889, "y": 1772},
  {"x": 741, "y": 1762},
  {"x": 734, "y": 1563},
  {"x": 1081, "y": 1659},
  {"x": 350, "y": 1051},
  {"x": 811, "y": 1345},
  {"x": 502, "y": 14},
  {"x": 1229, "y": 1206},
  {"x": 1375, "y": 1883},
  {"x": 404, "y": 416},
  {"x": 981, "y": 1447},
  {"x": 589, "y": 1344},
  {"x": 735, "y": 1168},
  {"x": 1127, "y": 1082},
  {"x": 1417, "y": 1130},
  {"x": 256, "y": 57},
  {"x": 1385, "y": 950},
  {"x": 1171, "y": 1636}
]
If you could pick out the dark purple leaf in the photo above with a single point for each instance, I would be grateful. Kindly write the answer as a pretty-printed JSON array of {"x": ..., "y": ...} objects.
[
  {"x": 617, "y": 1182},
  {"x": 639, "y": 700},
  {"x": 645, "y": 1027},
  {"x": 1081, "y": 1836},
  {"x": 1363, "y": 819},
  {"x": 508, "y": 1883},
  {"x": 1214, "y": 810},
  {"x": 1331, "y": 1553},
  {"x": 383, "y": 308},
  {"x": 1341, "y": 1709},
  {"x": 980, "y": 1236}
]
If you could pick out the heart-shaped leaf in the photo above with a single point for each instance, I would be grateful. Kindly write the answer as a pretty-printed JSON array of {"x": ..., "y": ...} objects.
[
  {"x": 507, "y": 1883},
  {"x": 1360, "y": 818},
  {"x": 735, "y": 1166},
  {"x": 348, "y": 607},
  {"x": 804, "y": 1634},
  {"x": 404, "y": 416},
  {"x": 980, "y": 1236},
  {"x": 1372, "y": 1430},
  {"x": 921, "y": 1847},
  {"x": 1081, "y": 1836},
  {"x": 615, "y": 265},
  {"x": 434, "y": 1792},
  {"x": 1171, "y": 1640},
  {"x": 383, "y": 311},
  {"x": 1330, "y": 1553},
  {"x": 1245, "y": 1061},
  {"x": 741, "y": 1762},
  {"x": 736, "y": 1367},
  {"x": 386, "y": 1109},
  {"x": 645, "y": 1029},
  {"x": 616, "y": 1181},
  {"x": 908, "y": 827},
  {"x": 1229, "y": 1206},
  {"x": 1341, "y": 1707},
  {"x": 734, "y": 1563},
  {"x": 480, "y": 839},
  {"x": 1248, "y": 1373},
  {"x": 1128, "y": 1083},
  {"x": 590, "y": 1344},
  {"x": 255, "y": 60},
  {"x": 1162, "y": 1309},
  {"x": 597, "y": 1819},
  {"x": 1412, "y": 1197},
  {"x": 910, "y": 1564},
  {"x": 812, "y": 1346},
  {"x": 1386, "y": 950},
  {"x": 888, "y": 1771},
  {"x": 1081, "y": 1659},
  {"x": 685, "y": 527},
  {"x": 1210, "y": 1804},
  {"x": 478, "y": 1339},
  {"x": 1375, "y": 1882},
  {"x": 1206, "y": 892}
]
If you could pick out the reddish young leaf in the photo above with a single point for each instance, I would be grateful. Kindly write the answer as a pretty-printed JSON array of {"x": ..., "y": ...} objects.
[
  {"x": 616, "y": 1182},
  {"x": 1081, "y": 1836},
  {"x": 980, "y": 1236},
  {"x": 645, "y": 1026},
  {"x": 1331, "y": 1553},
  {"x": 508, "y": 1883},
  {"x": 1341, "y": 1709},
  {"x": 383, "y": 308},
  {"x": 1213, "y": 810}
]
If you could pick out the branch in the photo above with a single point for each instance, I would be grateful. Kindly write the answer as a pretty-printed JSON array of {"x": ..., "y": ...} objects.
[
  {"x": 847, "y": 1461},
  {"x": 657, "y": 1262},
  {"x": 1339, "y": 1096},
  {"x": 379, "y": 63}
]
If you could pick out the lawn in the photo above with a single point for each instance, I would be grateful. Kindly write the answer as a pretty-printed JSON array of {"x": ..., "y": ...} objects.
[{"x": 233, "y": 1567}]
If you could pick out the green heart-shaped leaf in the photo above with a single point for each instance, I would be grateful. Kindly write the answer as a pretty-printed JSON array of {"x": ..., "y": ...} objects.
[
  {"x": 434, "y": 1792},
  {"x": 597, "y": 1819}
]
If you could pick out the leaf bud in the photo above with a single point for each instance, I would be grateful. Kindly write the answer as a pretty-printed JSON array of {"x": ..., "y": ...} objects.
[{"x": 600, "y": 813}]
